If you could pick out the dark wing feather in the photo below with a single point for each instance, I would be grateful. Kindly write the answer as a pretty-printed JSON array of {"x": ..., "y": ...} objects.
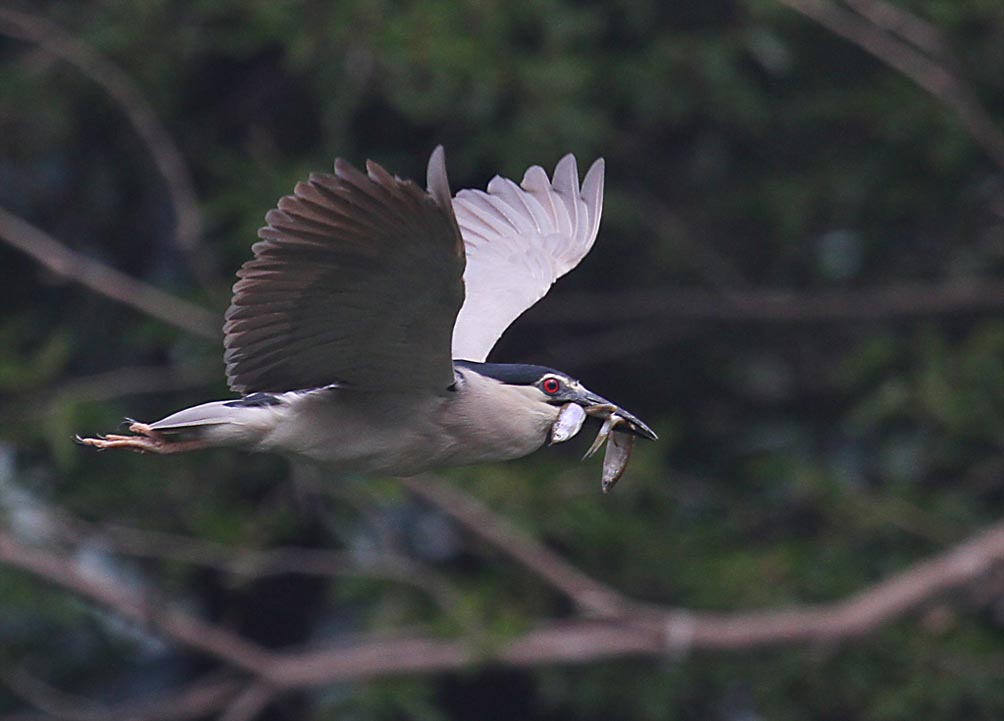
[{"x": 357, "y": 280}]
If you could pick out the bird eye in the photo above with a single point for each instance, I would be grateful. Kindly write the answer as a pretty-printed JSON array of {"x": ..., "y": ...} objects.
[{"x": 551, "y": 386}]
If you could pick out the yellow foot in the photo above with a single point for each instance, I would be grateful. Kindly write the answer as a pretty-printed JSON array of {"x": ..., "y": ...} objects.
[
  {"x": 140, "y": 444},
  {"x": 148, "y": 441}
]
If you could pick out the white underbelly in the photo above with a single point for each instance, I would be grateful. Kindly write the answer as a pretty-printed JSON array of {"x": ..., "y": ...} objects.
[{"x": 394, "y": 436}]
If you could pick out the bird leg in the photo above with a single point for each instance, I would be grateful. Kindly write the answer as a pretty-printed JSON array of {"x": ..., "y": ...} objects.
[{"x": 147, "y": 440}]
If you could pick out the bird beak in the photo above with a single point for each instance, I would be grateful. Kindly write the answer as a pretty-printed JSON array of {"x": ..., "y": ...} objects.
[{"x": 600, "y": 407}]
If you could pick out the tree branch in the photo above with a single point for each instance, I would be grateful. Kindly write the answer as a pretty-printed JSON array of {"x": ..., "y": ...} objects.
[
  {"x": 126, "y": 381},
  {"x": 174, "y": 625},
  {"x": 650, "y": 631},
  {"x": 106, "y": 281},
  {"x": 894, "y": 301},
  {"x": 929, "y": 73},
  {"x": 889, "y": 302},
  {"x": 589, "y": 594},
  {"x": 903, "y": 23},
  {"x": 664, "y": 631},
  {"x": 249, "y": 703},
  {"x": 194, "y": 701},
  {"x": 166, "y": 157},
  {"x": 255, "y": 563}
]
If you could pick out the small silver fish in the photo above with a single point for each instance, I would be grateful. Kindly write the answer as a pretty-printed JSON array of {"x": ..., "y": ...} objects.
[
  {"x": 621, "y": 442},
  {"x": 570, "y": 420},
  {"x": 618, "y": 452},
  {"x": 616, "y": 458}
]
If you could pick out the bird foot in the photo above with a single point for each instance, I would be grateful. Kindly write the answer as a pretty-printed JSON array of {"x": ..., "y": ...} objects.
[{"x": 147, "y": 440}]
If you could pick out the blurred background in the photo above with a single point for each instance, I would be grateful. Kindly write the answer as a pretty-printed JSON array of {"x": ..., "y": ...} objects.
[{"x": 797, "y": 283}]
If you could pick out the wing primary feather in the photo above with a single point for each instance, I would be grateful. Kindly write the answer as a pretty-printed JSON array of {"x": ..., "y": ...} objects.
[
  {"x": 438, "y": 185},
  {"x": 538, "y": 185},
  {"x": 506, "y": 195},
  {"x": 592, "y": 193},
  {"x": 566, "y": 184},
  {"x": 520, "y": 239},
  {"x": 436, "y": 180}
]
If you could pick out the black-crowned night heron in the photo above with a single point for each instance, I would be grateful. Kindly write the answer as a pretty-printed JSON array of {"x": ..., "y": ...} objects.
[{"x": 339, "y": 334}]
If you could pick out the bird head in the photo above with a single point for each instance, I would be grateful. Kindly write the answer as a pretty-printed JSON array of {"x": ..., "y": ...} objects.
[{"x": 559, "y": 389}]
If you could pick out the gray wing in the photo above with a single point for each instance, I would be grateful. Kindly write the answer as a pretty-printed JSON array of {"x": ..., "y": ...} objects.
[
  {"x": 356, "y": 281},
  {"x": 519, "y": 239}
]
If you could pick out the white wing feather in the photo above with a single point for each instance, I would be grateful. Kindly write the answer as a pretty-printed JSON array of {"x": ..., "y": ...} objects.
[{"x": 519, "y": 239}]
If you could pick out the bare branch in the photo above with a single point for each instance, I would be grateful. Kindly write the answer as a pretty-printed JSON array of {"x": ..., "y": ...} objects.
[
  {"x": 180, "y": 628},
  {"x": 249, "y": 704},
  {"x": 589, "y": 594},
  {"x": 108, "y": 386},
  {"x": 929, "y": 73},
  {"x": 626, "y": 341},
  {"x": 641, "y": 320},
  {"x": 195, "y": 701},
  {"x": 105, "y": 281},
  {"x": 903, "y": 23},
  {"x": 648, "y": 631},
  {"x": 886, "y": 302},
  {"x": 165, "y": 154},
  {"x": 666, "y": 631},
  {"x": 254, "y": 563}
]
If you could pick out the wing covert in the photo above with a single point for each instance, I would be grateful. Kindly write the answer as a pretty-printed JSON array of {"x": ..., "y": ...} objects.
[{"x": 356, "y": 280}]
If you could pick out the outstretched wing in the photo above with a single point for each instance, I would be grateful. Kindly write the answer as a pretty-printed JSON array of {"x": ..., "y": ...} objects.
[
  {"x": 356, "y": 281},
  {"x": 519, "y": 239}
]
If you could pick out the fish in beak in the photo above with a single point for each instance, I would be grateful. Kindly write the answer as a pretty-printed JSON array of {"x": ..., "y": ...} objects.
[
  {"x": 620, "y": 428},
  {"x": 599, "y": 407}
]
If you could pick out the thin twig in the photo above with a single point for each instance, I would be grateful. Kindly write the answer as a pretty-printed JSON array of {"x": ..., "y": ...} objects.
[
  {"x": 249, "y": 704},
  {"x": 886, "y": 302},
  {"x": 254, "y": 563},
  {"x": 166, "y": 157},
  {"x": 122, "y": 382},
  {"x": 179, "y": 627},
  {"x": 106, "y": 281},
  {"x": 632, "y": 340},
  {"x": 194, "y": 701},
  {"x": 929, "y": 73},
  {"x": 589, "y": 594},
  {"x": 903, "y": 23}
]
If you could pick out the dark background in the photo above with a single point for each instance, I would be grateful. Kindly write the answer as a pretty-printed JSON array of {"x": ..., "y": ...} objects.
[{"x": 796, "y": 283}]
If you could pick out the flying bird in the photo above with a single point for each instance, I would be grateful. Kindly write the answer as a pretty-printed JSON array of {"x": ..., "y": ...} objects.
[{"x": 358, "y": 332}]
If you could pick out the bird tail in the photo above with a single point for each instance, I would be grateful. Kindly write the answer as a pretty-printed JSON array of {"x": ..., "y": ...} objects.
[
  {"x": 241, "y": 422},
  {"x": 198, "y": 418}
]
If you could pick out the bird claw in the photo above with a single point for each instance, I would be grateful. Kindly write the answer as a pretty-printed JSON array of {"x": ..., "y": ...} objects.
[
  {"x": 147, "y": 440},
  {"x": 141, "y": 444}
]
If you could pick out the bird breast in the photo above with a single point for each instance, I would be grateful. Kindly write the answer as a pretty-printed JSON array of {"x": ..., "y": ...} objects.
[{"x": 481, "y": 421}]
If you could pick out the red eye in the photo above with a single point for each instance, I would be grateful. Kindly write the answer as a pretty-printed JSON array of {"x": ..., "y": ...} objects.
[{"x": 551, "y": 386}]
